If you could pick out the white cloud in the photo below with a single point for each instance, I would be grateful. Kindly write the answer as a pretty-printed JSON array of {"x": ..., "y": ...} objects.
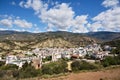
[
  {"x": 36, "y": 5},
  {"x": 21, "y": 4},
  {"x": 62, "y": 17},
  {"x": 110, "y": 3},
  {"x": 57, "y": 17},
  {"x": 79, "y": 24},
  {"x": 23, "y": 23},
  {"x": 2, "y": 29},
  {"x": 108, "y": 20},
  {"x": 6, "y": 22},
  {"x": 9, "y": 21}
]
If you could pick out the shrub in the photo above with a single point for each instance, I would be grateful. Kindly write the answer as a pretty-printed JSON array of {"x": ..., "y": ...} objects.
[
  {"x": 82, "y": 65},
  {"x": 87, "y": 66},
  {"x": 111, "y": 61},
  {"x": 47, "y": 70},
  {"x": 2, "y": 63},
  {"x": 108, "y": 61},
  {"x": 54, "y": 67},
  {"x": 9, "y": 67},
  {"x": 28, "y": 71},
  {"x": 2, "y": 73},
  {"x": 15, "y": 73},
  {"x": 75, "y": 65}
]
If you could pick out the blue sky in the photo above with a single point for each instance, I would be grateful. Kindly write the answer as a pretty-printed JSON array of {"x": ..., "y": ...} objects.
[{"x": 77, "y": 16}]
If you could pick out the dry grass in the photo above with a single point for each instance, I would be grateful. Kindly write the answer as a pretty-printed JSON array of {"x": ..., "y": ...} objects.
[
  {"x": 107, "y": 74},
  {"x": 111, "y": 73}
]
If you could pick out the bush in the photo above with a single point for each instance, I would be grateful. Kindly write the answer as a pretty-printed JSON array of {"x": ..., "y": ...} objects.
[
  {"x": 108, "y": 61},
  {"x": 75, "y": 65},
  {"x": 87, "y": 66},
  {"x": 9, "y": 67},
  {"x": 46, "y": 69},
  {"x": 28, "y": 71},
  {"x": 54, "y": 67},
  {"x": 82, "y": 65},
  {"x": 111, "y": 61},
  {"x": 2, "y": 73},
  {"x": 15, "y": 73},
  {"x": 25, "y": 65},
  {"x": 2, "y": 63}
]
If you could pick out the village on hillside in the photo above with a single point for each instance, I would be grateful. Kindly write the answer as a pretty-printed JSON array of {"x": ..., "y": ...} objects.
[{"x": 39, "y": 56}]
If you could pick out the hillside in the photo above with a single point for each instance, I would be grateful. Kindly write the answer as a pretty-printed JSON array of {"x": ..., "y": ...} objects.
[
  {"x": 10, "y": 40},
  {"x": 104, "y": 35},
  {"x": 113, "y": 43},
  {"x": 13, "y": 40}
]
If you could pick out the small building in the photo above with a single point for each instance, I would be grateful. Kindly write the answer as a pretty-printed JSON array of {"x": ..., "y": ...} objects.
[
  {"x": 10, "y": 59},
  {"x": 66, "y": 55},
  {"x": 100, "y": 55},
  {"x": 36, "y": 63}
]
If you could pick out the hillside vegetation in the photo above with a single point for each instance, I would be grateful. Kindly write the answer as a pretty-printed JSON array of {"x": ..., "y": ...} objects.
[{"x": 13, "y": 40}]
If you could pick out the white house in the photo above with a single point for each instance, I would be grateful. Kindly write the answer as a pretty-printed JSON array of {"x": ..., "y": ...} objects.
[
  {"x": 100, "y": 55},
  {"x": 66, "y": 55},
  {"x": 11, "y": 59}
]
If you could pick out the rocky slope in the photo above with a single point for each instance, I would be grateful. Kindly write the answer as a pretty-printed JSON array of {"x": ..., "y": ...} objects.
[
  {"x": 13, "y": 40},
  {"x": 23, "y": 40}
]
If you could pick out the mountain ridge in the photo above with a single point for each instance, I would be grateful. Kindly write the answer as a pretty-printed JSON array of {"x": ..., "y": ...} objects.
[
  {"x": 14, "y": 40},
  {"x": 101, "y": 35}
]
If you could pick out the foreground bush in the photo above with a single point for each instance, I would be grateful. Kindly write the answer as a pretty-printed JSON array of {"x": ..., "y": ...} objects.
[
  {"x": 111, "y": 61},
  {"x": 75, "y": 65},
  {"x": 82, "y": 65},
  {"x": 54, "y": 67},
  {"x": 2, "y": 63},
  {"x": 26, "y": 71},
  {"x": 9, "y": 67}
]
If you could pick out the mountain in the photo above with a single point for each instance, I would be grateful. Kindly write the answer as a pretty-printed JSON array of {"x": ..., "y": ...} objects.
[
  {"x": 8, "y": 32},
  {"x": 104, "y": 36},
  {"x": 24, "y": 36},
  {"x": 13, "y": 40},
  {"x": 113, "y": 43},
  {"x": 15, "y": 35}
]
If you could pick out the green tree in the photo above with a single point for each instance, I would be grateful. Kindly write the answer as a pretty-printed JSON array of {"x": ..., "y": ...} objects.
[
  {"x": 54, "y": 67},
  {"x": 16, "y": 73},
  {"x": 28, "y": 71},
  {"x": 47, "y": 70},
  {"x": 87, "y": 66},
  {"x": 2, "y": 63},
  {"x": 82, "y": 65},
  {"x": 9, "y": 67},
  {"x": 111, "y": 61},
  {"x": 75, "y": 65}
]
